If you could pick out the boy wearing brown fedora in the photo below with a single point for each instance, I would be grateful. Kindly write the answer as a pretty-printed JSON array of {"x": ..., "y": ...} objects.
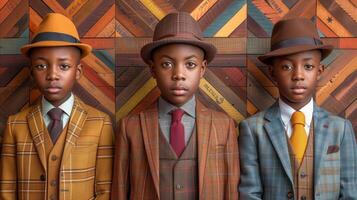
[
  {"x": 295, "y": 149},
  {"x": 177, "y": 148},
  {"x": 59, "y": 148}
]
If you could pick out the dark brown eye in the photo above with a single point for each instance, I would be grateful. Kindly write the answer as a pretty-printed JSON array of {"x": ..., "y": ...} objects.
[
  {"x": 191, "y": 65},
  {"x": 40, "y": 67},
  {"x": 286, "y": 67},
  {"x": 309, "y": 67},
  {"x": 64, "y": 67},
  {"x": 167, "y": 65}
]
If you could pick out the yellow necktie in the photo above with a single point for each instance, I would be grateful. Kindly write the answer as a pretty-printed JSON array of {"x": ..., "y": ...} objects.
[{"x": 298, "y": 138}]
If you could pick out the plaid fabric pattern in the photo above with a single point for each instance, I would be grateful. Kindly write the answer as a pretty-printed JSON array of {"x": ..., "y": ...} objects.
[
  {"x": 265, "y": 164},
  {"x": 86, "y": 162},
  {"x": 136, "y": 168},
  {"x": 178, "y": 176},
  {"x": 304, "y": 174}
]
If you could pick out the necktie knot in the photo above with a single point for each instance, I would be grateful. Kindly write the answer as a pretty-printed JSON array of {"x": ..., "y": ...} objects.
[
  {"x": 55, "y": 113},
  {"x": 298, "y": 117},
  {"x": 177, "y": 115}
]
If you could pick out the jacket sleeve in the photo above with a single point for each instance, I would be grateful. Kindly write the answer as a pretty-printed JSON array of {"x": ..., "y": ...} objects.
[
  {"x": 8, "y": 174},
  {"x": 120, "y": 188},
  {"x": 250, "y": 183},
  {"x": 232, "y": 159},
  {"x": 348, "y": 163},
  {"x": 104, "y": 164}
]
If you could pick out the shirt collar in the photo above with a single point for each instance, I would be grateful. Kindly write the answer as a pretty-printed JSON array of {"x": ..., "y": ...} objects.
[
  {"x": 189, "y": 107},
  {"x": 66, "y": 106},
  {"x": 286, "y": 111}
]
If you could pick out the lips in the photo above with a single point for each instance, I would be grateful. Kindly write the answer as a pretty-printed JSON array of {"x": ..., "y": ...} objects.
[
  {"x": 298, "y": 89},
  {"x": 179, "y": 90},
  {"x": 53, "y": 89}
]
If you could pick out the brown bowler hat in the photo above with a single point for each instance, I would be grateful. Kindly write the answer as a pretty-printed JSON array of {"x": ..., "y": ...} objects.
[
  {"x": 293, "y": 36},
  {"x": 179, "y": 28},
  {"x": 56, "y": 30}
]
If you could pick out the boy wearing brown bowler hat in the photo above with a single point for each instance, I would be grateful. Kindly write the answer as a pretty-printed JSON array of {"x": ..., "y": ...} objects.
[
  {"x": 295, "y": 149},
  {"x": 177, "y": 148},
  {"x": 59, "y": 148}
]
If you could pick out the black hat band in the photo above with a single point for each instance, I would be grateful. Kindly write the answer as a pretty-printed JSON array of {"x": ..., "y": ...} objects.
[
  {"x": 53, "y": 36},
  {"x": 295, "y": 42}
]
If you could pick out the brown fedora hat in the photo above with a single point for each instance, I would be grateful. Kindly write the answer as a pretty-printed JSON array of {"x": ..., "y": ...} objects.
[
  {"x": 293, "y": 36},
  {"x": 56, "y": 30},
  {"x": 179, "y": 28}
]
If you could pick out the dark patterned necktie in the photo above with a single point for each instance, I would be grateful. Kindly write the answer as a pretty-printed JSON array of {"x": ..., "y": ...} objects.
[
  {"x": 177, "y": 132},
  {"x": 55, "y": 127}
]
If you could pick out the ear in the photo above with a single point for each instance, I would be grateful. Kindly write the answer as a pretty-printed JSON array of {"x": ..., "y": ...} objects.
[
  {"x": 152, "y": 68},
  {"x": 203, "y": 68},
  {"x": 79, "y": 71},
  {"x": 321, "y": 69}
]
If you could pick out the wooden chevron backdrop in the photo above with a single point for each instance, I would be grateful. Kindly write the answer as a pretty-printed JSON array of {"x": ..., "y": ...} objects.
[{"x": 236, "y": 82}]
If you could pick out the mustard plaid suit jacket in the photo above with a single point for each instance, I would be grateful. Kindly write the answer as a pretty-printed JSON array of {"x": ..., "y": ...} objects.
[
  {"x": 86, "y": 166},
  {"x": 136, "y": 168},
  {"x": 265, "y": 163}
]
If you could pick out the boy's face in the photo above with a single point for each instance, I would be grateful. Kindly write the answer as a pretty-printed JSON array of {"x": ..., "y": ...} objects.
[
  {"x": 55, "y": 70},
  {"x": 296, "y": 76},
  {"x": 178, "y": 69}
]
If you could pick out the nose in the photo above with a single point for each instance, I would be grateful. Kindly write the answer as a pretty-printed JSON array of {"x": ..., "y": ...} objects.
[
  {"x": 178, "y": 72},
  {"x": 298, "y": 73},
  {"x": 52, "y": 73}
]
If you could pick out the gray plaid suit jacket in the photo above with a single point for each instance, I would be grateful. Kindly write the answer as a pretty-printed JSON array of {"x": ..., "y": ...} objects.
[{"x": 264, "y": 157}]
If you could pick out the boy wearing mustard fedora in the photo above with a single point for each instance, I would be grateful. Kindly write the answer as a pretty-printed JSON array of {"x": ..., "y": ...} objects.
[
  {"x": 295, "y": 149},
  {"x": 59, "y": 148},
  {"x": 177, "y": 148}
]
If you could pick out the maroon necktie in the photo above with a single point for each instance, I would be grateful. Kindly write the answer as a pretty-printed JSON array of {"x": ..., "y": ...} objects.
[
  {"x": 177, "y": 132},
  {"x": 55, "y": 127}
]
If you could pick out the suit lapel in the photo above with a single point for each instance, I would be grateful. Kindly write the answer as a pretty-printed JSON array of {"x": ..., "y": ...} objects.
[
  {"x": 75, "y": 125},
  {"x": 320, "y": 146},
  {"x": 276, "y": 132},
  {"x": 204, "y": 128},
  {"x": 37, "y": 130},
  {"x": 149, "y": 121}
]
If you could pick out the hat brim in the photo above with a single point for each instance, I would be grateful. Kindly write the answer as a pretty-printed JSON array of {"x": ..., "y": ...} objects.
[
  {"x": 209, "y": 49},
  {"x": 85, "y": 49},
  {"x": 267, "y": 58}
]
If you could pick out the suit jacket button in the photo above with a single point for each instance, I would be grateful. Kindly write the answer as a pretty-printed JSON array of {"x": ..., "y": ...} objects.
[
  {"x": 290, "y": 195},
  {"x": 179, "y": 187},
  {"x": 302, "y": 175},
  {"x": 53, "y": 157},
  {"x": 42, "y": 177}
]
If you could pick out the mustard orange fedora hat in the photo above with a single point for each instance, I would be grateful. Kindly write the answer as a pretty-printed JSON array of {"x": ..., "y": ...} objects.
[
  {"x": 294, "y": 35},
  {"x": 179, "y": 28},
  {"x": 56, "y": 30}
]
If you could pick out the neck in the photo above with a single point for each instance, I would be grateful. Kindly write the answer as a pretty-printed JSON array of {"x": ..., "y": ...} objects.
[
  {"x": 59, "y": 102},
  {"x": 295, "y": 105}
]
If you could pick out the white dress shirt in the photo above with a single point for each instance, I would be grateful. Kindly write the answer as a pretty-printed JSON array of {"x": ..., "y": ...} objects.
[
  {"x": 286, "y": 111},
  {"x": 66, "y": 107}
]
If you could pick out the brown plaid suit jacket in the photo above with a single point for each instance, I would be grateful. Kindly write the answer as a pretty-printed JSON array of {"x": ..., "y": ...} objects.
[
  {"x": 86, "y": 165},
  {"x": 136, "y": 168}
]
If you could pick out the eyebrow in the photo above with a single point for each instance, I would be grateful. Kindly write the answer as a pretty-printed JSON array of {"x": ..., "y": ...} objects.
[
  {"x": 63, "y": 59},
  {"x": 308, "y": 58},
  {"x": 189, "y": 57},
  {"x": 186, "y": 58},
  {"x": 60, "y": 59}
]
